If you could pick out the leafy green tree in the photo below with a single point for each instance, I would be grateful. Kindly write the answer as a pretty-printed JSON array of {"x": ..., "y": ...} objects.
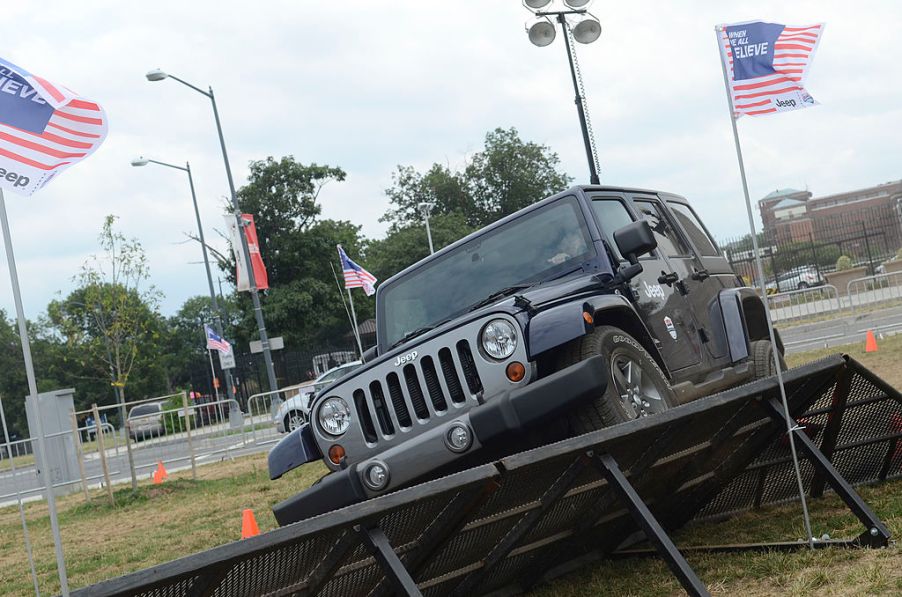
[
  {"x": 110, "y": 324},
  {"x": 303, "y": 303},
  {"x": 507, "y": 175}
]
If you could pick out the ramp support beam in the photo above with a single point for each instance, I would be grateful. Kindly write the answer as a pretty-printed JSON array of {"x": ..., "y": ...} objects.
[
  {"x": 647, "y": 522},
  {"x": 876, "y": 533},
  {"x": 375, "y": 540}
]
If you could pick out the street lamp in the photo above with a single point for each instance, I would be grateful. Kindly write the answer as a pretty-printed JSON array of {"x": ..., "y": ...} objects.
[
  {"x": 218, "y": 323},
  {"x": 159, "y": 75},
  {"x": 541, "y": 33},
  {"x": 426, "y": 208}
]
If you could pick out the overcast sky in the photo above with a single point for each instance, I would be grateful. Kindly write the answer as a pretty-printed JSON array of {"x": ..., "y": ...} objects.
[{"x": 367, "y": 85}]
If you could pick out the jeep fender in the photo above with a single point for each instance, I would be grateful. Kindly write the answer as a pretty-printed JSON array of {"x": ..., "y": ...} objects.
[
  {"x": 563, "y": 323},
  {"x": 753, "y": 317}
]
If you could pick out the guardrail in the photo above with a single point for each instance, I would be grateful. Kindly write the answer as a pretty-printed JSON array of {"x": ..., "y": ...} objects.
[
  {"x": 872, "y": 290},
  {"x": 266, "y": 404},
  {"x": 804, "y": 303}
]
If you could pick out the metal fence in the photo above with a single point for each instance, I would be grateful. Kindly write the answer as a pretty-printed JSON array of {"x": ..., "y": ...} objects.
[
  {"x": 875, "y": 290},
  {"x": 508, "y": 525},
  {"x": 806, "y": 303}
]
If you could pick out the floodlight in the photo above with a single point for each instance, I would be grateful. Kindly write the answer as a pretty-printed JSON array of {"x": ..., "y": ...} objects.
[
  {"x": 541, "y": 33},
  {"x": 140, "y": 161},
  {"x": 587, "y": 31},
  {"x": 155, "y": 75},
  {"x": 536, "y": 4},
  {"x": 577, "y": 3}
]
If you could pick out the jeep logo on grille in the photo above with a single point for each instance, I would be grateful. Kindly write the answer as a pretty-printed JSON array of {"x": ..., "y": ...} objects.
[{"x": 407, "y": 358}]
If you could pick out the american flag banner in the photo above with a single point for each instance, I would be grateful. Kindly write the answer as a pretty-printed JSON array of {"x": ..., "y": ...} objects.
[
  {"x": 214, "y": 342},
  {"x": 767, "y": 64},
  {"x": 44, "y": 129},
  {"x": 356, "y": 276}
]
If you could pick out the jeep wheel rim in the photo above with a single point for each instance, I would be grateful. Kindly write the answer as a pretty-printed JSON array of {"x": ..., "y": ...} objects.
[
  {"x": 638, "y": 394},
  {"x": 295, "y": 421}
]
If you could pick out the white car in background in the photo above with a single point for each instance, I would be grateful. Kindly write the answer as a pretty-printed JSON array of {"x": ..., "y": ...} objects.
[{"x": 295, "y": 411}]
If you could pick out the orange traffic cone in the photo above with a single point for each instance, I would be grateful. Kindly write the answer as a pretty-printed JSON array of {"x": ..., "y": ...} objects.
[
  {"x": 160, "y": 473},
  {"x": 870, "y": 343},
  {"x": 249, "y": 526}
]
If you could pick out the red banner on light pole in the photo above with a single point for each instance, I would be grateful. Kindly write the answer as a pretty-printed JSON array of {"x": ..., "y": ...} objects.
[{"x": 253, "y": 246}]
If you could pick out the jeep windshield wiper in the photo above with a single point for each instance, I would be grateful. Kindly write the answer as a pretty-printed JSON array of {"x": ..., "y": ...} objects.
[
  {"x": 419, "y": 332},
  {"x": 498, "y": 294}
]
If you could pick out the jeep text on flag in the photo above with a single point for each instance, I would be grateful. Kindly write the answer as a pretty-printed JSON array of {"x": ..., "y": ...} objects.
[
  {"x": 44, "y": 129},
  {"x": 767, "y": 64}
]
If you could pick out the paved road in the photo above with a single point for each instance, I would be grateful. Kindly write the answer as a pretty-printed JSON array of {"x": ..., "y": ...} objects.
[
  {"x": 842, "y": 330},
  {"x": 211, "y": 444}
]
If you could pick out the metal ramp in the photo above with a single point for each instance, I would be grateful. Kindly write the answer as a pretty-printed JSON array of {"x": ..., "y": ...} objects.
[{"x": 507, "y": 525}]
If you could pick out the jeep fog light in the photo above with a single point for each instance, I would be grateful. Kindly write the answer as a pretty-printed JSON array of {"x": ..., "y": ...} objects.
[
  {"x": 498, "y": 339},
  {"x": 376, "y": 476},
  {"x": 334, "y": 416},
  {"x": 458, "y": 438}
]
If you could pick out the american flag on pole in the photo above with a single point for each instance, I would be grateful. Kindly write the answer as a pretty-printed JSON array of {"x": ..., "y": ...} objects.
[
  {"x": 356, "y": 276},
  {"x": 44, "y": 129},
  {"x": 214, "y": 342},
  {"x": 767, "y": 64}
]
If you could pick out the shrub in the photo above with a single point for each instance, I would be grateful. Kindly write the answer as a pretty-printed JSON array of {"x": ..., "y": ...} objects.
[
  {"x": 173, "y": 422},
  {"x": 843, "y": 263}
]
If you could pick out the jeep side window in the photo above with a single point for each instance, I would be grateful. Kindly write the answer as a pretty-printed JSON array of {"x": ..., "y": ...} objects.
[
  {"x": 611, "y": 215},
  {"x": 669, "y": 241},
  {"x": 694, "y": 229}
]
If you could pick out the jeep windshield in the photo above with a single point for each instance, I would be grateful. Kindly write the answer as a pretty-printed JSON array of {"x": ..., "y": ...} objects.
[{"x": 540, "y": 245}]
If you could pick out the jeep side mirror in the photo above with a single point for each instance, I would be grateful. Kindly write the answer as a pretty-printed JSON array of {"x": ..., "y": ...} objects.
[{"x": 635, "y": 240}]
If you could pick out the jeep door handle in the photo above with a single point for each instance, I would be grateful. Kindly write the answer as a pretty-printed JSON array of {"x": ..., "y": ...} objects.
[
  {"x": 700, "y": 275},
  {"x": 668, "y": 279}
]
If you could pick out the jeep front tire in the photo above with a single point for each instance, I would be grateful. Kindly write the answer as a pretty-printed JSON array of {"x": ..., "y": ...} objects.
[{"x": 636, "y": 385}]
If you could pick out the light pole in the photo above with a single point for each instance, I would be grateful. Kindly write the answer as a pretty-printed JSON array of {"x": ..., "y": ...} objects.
[
  {"x": 426, "y": 208},
  {"x": 541, "y": 33},
  {"x": 217, "y": 310},
  {"x": 158, "y": 75}
]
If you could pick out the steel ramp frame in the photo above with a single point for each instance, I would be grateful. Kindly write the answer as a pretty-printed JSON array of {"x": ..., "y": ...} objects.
[{"x": 503, "y": 527}]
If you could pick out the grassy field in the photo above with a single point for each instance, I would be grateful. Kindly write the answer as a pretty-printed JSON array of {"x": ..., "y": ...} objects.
[{"x": 163, "y": 522}]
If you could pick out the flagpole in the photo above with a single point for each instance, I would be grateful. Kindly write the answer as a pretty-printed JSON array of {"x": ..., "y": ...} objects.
[
  {"x": 354, "y": 317},
  {"x": 342, "y": 297},
  {"x": 33, "y": 393},
  {"x": 213, "y": 375},
  {"x": 790, "y": 428}
]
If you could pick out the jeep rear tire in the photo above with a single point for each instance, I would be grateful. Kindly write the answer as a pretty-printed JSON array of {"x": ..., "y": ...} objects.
[
  {"x": 761, "y": 359},
  {"x": 636, "y": 385}
]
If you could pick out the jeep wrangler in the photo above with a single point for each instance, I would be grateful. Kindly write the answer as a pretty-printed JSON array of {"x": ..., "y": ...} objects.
[{"x": 590, "y": 308}]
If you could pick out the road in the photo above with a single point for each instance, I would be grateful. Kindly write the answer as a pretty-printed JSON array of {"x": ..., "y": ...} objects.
[
  {"x": 842, "y": 330},
  {"x": 211, "y": 444}
]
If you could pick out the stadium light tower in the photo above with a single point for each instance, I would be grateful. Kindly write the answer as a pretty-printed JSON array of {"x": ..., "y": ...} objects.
[{"x": 587, "y": 29}]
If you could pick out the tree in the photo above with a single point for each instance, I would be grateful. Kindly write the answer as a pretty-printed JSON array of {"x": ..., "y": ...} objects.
[
  {"x": 507, "y": 175},
  {"x": 110, "y": 324},
  {"x": 303, "y": 303}
]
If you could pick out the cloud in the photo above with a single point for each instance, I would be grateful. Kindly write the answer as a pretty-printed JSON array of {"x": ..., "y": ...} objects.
[{"x": 370, "y": 85}]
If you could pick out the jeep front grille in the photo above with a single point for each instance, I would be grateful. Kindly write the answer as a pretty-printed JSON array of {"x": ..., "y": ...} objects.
[{"x": 417, "y": 393}]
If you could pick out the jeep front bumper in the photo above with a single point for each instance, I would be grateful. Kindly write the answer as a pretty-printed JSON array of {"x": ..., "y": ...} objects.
[{"x": 509, "y": 412}]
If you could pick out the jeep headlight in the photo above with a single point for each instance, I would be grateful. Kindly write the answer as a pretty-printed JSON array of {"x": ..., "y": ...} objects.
[
  {"x": 334, "y": 416},
  {"x": 498, "y": 338}
]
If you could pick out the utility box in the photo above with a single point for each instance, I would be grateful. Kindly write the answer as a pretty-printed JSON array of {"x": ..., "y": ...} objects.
[{"x": 56, "y": 410}]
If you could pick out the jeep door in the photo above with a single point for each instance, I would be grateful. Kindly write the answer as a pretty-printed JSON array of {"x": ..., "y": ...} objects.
[{"x": 660, "y": 305}]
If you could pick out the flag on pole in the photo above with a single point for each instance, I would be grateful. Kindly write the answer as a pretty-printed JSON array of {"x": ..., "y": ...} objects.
[
  {"x": 215, "y": 342},
  {"x": 356, "y": 276},
  {"x": 250, "y": 233},
  {"x": 767, "y": 64},
  {"x": 44, "y": 129}
]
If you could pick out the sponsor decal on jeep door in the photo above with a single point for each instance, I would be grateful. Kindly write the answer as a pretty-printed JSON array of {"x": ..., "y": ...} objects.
[{"x": 670, "y": 327}]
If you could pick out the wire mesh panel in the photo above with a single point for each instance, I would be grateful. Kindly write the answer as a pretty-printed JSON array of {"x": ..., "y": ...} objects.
[{"x": 504, "y": 525}]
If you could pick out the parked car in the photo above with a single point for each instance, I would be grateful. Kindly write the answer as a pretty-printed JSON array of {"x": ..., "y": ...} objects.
[
  {"x": 798, "y": 278},
  {"x": 295, "y": 411},
  {"x": 145, "y": 420}
]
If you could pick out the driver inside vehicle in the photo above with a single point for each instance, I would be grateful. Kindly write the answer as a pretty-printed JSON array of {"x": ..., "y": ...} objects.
[{"x": 571, "y": 244}]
